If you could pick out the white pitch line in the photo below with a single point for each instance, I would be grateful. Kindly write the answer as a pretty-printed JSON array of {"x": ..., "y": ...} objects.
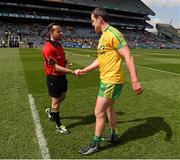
[
  {"x": 39, "y": 131},
  {"x": 158, "y": 70}
]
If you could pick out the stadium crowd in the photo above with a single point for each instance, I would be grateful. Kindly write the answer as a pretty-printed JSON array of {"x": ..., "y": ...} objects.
[{"x": 28, "y": 35}]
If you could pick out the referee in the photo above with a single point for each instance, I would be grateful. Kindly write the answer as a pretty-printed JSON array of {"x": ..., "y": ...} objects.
[{"x": 55, "y": 69}]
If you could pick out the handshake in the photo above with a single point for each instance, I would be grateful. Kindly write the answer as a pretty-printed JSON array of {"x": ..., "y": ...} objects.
[{"x": 79, "y": 72}]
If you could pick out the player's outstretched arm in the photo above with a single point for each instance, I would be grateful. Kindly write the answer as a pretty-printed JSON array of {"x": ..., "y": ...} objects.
[{"x": 92, "y": 66}]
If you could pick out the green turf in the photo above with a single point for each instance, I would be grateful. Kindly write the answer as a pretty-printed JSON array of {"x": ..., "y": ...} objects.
[
  {"x": 17, "y": 136},
  {"x": 148, "y": 124}
]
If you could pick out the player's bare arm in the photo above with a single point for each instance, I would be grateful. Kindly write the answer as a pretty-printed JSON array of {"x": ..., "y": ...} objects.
[
  {"x": 92, "y": 66},
  {"x": 126, "y": 54}
]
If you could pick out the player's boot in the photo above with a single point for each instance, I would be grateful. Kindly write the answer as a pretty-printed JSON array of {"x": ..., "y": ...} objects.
[
  {"x": 62, "y": 129},
  {"x": 48, "y": 113},
  {"x": 89, "y": 149}
]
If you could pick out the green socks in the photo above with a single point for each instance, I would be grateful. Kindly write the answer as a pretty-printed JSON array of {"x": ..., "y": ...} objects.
[{"x": 96, "y": 139}]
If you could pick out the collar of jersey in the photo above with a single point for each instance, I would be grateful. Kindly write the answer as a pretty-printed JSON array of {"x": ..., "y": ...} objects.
[
  {"x": 106, "y": 28},
  {"x": 55, "y": 43}
]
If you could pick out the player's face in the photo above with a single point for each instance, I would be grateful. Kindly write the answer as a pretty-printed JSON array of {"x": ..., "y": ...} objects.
[
  {"x": 96, "y": 23},
  {"x": 56, "y": 34}
]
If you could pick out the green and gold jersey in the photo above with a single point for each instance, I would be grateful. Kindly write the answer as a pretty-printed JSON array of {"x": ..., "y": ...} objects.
[{"x": 108, "y": 57}]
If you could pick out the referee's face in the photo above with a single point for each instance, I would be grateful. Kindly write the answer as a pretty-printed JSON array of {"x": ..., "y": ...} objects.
[
  {"x": 56, "y": 33},
  {"x": 96, "y": 23}
]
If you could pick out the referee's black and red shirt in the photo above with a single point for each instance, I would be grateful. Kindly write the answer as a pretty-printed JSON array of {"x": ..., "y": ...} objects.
[{"x": 53, "y": 52}]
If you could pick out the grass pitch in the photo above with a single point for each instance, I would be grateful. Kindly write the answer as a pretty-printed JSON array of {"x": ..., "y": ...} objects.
[{"x": 148, "y": 124}]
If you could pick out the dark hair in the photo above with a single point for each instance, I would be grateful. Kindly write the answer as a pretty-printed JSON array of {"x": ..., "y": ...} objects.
[
  {"x": 50, "y": 26},
  {"x": 101, "y": 12}
]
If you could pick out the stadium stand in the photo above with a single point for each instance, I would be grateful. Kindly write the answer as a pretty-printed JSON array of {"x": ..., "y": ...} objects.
[
  {"x": 178, "y": 31},
  {"x": 23, "y": 23},
  {"x": 168, "y": 32}
]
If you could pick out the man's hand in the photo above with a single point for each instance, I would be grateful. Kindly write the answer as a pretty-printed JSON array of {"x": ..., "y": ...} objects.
[
  {"x": 137, "y": 88},
  {"x": 79, "y": 72}
]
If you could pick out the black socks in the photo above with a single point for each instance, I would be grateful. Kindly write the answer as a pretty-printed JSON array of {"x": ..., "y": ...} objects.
[{"x": 56, "y": 118}]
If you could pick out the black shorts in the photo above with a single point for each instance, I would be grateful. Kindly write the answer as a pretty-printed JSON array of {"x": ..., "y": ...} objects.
[{"x": 56, "y": 85}]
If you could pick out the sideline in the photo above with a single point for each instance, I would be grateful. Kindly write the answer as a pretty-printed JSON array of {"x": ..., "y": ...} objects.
[
  {"x": 39, "y": 131},
  {"x": 158, "y": 70}
]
